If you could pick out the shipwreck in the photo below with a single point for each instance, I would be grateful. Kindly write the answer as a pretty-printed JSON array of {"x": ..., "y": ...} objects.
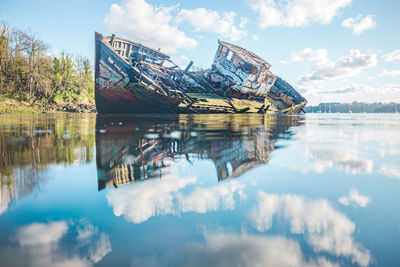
[{"x": 131, "y": 78}]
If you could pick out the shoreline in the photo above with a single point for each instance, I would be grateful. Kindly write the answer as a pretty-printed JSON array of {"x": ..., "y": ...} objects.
[{"x": 11, "y": 106}]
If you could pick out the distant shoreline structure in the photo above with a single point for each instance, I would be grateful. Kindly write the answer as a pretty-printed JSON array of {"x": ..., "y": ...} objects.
[{"x": 355, "y": 107}]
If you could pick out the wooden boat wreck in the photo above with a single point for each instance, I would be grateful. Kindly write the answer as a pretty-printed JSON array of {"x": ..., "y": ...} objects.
[{"x": 133, "y": 78}]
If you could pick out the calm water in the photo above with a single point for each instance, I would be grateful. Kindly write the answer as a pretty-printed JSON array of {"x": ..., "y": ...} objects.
[{"x": 214, "y": 190}]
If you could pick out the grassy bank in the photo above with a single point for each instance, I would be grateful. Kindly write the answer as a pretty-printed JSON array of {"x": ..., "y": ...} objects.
[{"x": 9, "y": 105}]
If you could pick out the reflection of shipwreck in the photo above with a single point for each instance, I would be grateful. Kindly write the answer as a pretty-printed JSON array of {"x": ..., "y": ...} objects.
[
  {"x": 132, "y": 78},
  {"x": 136, "y": 148}
]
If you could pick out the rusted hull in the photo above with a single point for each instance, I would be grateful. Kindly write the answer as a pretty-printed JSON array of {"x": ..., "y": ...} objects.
[{"x": 118, "y": 87}]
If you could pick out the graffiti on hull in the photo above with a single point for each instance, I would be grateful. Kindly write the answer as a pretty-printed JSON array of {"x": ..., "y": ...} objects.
[{"x": 112, "y": 85}]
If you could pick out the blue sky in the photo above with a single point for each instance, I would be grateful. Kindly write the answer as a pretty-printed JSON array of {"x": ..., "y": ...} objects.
[{"x": 331, "y": 50}]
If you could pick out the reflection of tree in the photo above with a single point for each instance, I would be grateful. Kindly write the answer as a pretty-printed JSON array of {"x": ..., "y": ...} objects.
[
  {"x": 132, "y": 148},
  {"x": 30, "y": 143}
]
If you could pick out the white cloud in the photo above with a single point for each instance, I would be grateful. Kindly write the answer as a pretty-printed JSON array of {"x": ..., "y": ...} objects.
[
  {"x": 392, "y": 56},
  {"x": 184, "y": 58},
  {"x": 243, "y": 22},
  {"x": 152, "y": 25},
  {"x": 384, "y": 89},
  {"x": 209, "y": 20},
  {"x": 309, "y": 54},
  {"x": 348, "y": 66},
  {"x": 355, "y": 198},
  {"x": 296, "y": 13},
  {"x": 53, "y": 53},
  {"x": 392, "y": 73},
  {"x": 390, "y": 88},
  {"x": 315, "y": 93},
  {"x": 359, "y": 24},
  {"x": 255, "y": 37},
  {"x": 158, "y": 26},
  {"x": 390, "y": 171},
  {"x": 182, "y": 61},
  {"x": 326, "y": 229}
]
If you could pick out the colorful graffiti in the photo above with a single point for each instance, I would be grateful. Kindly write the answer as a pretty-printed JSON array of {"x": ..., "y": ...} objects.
[{"x": 113, "y": 85}]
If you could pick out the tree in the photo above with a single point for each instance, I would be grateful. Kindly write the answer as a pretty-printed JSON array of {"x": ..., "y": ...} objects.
[{"x": 27, "y": 72}]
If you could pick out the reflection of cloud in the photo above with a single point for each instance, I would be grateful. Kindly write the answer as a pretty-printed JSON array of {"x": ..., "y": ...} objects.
[
  {"x": 140, "y": 201},
  {"x": 213, "y": 198},
  {"x": 342, "y": 143},
  {"x": 390, "y": 171},
  {"x": 41, "y": 233},
  {"x": 238, "y": 250},
  {"x": 5, "y": 197},
  {"x": 100, "y": 249},
  {"x": 39, "y": 245},
  {"x": 356, "y": 198},
  {"x": 347, "y": 160},
  {"x": 326, "y": 229},
  {"x": 234, "y": 250},
  {"x": 85, "y": 232},
  {"x": 350, "y": 144}
]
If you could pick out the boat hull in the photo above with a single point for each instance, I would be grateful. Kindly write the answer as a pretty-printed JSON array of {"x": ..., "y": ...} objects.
[
  {"x": 121, "y": 88},
  {"x": 118, "y": 87}
]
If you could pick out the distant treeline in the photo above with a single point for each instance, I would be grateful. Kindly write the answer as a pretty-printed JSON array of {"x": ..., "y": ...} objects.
[
  {"x": 29, "y": 73},
  {"x": 355, "y": 107}
]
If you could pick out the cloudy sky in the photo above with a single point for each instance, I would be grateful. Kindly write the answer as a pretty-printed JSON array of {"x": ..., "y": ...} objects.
[{"x": 331, "y": 50}]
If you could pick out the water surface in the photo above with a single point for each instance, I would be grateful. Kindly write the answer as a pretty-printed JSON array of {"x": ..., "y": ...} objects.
[{"x": 200, "y": 190}]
